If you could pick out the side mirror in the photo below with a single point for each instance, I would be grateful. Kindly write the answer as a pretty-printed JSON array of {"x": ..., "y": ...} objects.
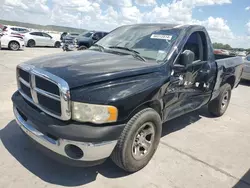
[
  {"x": 187, "y": 58},
  {"x": 94, "y": 37}
]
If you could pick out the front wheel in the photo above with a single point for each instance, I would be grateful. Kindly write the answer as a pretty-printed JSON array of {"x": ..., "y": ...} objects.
[
  {"x": 138, "y": 141},
  {"x": 82, "y": 47},
  {"x": 14, "y": 46},
  {"x": 31, "y": 43},
  {"x": 218, "y": 106}
]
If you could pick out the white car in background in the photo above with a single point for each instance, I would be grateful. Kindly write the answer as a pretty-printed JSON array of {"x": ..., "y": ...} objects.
[
  {"x": 246, "y": 70},
  {"x": 37, "y": 38},
  {"x": 14, "y": 30},
  {"x": 11, "y": 42}
]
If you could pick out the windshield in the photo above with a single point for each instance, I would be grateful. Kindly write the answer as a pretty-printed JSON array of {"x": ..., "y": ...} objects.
[
  {"x": 152, "y": 42},
  {"x": 88, "y": 34}
]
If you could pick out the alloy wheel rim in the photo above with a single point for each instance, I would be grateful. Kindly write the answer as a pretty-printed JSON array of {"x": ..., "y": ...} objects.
[
  {"x": 143, "y": 141},
  {"x": 14, "y": 46},
  {"x": 225, "y": 100}
]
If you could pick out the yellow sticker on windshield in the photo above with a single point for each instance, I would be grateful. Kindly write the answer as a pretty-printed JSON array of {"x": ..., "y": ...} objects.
[{"x": 164, "y": 37}]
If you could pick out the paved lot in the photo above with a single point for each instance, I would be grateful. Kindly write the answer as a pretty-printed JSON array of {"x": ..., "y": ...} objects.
[{"x": 195, "y": 150}]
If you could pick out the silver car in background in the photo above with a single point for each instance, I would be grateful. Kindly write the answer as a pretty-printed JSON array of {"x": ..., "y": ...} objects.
[{"x": 246, "y": 70}]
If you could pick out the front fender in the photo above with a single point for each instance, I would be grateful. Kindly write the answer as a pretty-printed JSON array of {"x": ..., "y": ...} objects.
[{"x": 126, "y": 94}]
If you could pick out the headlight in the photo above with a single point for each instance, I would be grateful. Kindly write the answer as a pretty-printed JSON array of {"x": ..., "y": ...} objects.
[{"x": 94, "y": 113}]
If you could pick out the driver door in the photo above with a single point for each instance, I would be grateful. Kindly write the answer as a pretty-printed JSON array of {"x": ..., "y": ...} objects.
[
  {"x": 191, "y": 87},
  {"x": 47, "y": 40}
]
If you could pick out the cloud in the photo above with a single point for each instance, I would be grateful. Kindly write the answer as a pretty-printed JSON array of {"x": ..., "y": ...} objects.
[
  {"x": 145, "y": 2},
  {"x": 109, "y": 14},
  {"x": 117, "y": 3},
  {"x": 218, "y": 29},
  {"x": 247, "y": 8},
  {"x": 248, "y": 28}
]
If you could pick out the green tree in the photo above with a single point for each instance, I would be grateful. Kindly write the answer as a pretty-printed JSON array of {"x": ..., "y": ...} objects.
[{"x": 222, "y": 46}]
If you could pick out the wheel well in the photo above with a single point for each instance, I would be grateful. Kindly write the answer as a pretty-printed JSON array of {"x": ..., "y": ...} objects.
[
  {"x": 31, "y": 40},
  {"x": 84, "y": 44},
  {"x": 230, "y": 80},
  {"x": 13, "y": 41},
  {"x": 156, "y": 105}
]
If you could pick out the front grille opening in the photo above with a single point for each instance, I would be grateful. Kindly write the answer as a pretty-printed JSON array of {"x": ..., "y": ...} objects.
[
  {"x": 33, "y": 106},
  {"x": 51, "y": 136},
  {"x": 22, "y": 115},
  {"x": 47, "y": 86},
  {"x": 25, "y": 89},
  {"x": 49, "y": 104},
  {"x": 24, "y": 75}
]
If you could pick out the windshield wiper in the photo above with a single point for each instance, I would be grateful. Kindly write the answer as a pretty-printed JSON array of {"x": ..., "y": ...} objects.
[
  {"x": 135, "y": 53},
  {"x": 101, "y": 48}
]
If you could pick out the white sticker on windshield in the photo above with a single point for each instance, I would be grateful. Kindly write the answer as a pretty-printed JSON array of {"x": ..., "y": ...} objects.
[{"x": 164, "y": 37}]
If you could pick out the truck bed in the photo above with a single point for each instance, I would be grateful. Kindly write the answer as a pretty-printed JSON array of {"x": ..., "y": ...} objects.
[{"x": 229, "y": 67}]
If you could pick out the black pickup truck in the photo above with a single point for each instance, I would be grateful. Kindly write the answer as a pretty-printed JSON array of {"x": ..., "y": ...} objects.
[{"x": 112, "y": 99}]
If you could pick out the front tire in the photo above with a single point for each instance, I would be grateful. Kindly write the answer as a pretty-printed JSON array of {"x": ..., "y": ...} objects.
[
  {"x": 14, "y": 46},
  {"x": 219, "y": 105},
  {"x": 82, "y": 47},
  {"x": 31, "y": 43},
  {"x": 138, "y": 141}
]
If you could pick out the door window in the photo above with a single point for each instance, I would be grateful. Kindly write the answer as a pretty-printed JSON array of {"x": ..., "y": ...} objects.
[
  {"x": 97, "y": 36},
  {"x": 46, "y": 35},
  {"x": 194, "y": 44},
  {"x": 14, "y": 29},
  {"x": 36, "y": 34}
]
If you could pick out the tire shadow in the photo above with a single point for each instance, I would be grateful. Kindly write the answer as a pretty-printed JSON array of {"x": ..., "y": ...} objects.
[
  {"x": 185, "y": 120},
  {"x": 245, "y": 83},
  {"x": 20, "y": 147}
]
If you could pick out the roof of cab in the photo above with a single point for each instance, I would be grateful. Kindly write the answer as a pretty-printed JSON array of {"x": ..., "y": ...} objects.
[{"x": 167, "y": 26}]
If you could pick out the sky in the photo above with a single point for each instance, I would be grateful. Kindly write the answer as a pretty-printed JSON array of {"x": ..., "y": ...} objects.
[{"x": 227, "y": 21}]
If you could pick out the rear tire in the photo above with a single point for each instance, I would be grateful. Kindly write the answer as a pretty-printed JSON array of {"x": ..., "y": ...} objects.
[
  {"x": 57, "y": 44},
  {"x": 138, "y": 141},
  {"x": 13, "y": 45},
  {"x": 219, "y": 105},
  {"x": 31, "y": 43}
]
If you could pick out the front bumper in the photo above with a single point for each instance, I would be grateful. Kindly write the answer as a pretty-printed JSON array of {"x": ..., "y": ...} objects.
[
  {"x": 93, "y": 151},
  {"x": 69, "y": 47},
  {"x": 245, "y": 76},
  {"x": 246, "y": 72},
  {"x": 22, "y": 45}
]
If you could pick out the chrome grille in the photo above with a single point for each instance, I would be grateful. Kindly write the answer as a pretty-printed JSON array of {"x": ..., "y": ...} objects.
[{"x": 45, "y": 90}]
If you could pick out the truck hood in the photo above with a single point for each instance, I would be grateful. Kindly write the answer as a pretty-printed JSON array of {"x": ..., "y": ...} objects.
[{"x": 89, "y": 67}]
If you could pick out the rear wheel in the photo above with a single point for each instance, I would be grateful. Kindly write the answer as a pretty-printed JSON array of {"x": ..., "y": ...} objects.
[
  {"x": 57, "y": 44},
  {"x": 219, "y": 105},
  {"x": 138, "y": 141},
  {"x": 13, "y": 45},
  {"x": 31, "y": 43}
]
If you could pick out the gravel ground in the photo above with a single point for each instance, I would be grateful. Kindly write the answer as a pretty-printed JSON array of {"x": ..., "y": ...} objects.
[{"x": 196, "y": 150}]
